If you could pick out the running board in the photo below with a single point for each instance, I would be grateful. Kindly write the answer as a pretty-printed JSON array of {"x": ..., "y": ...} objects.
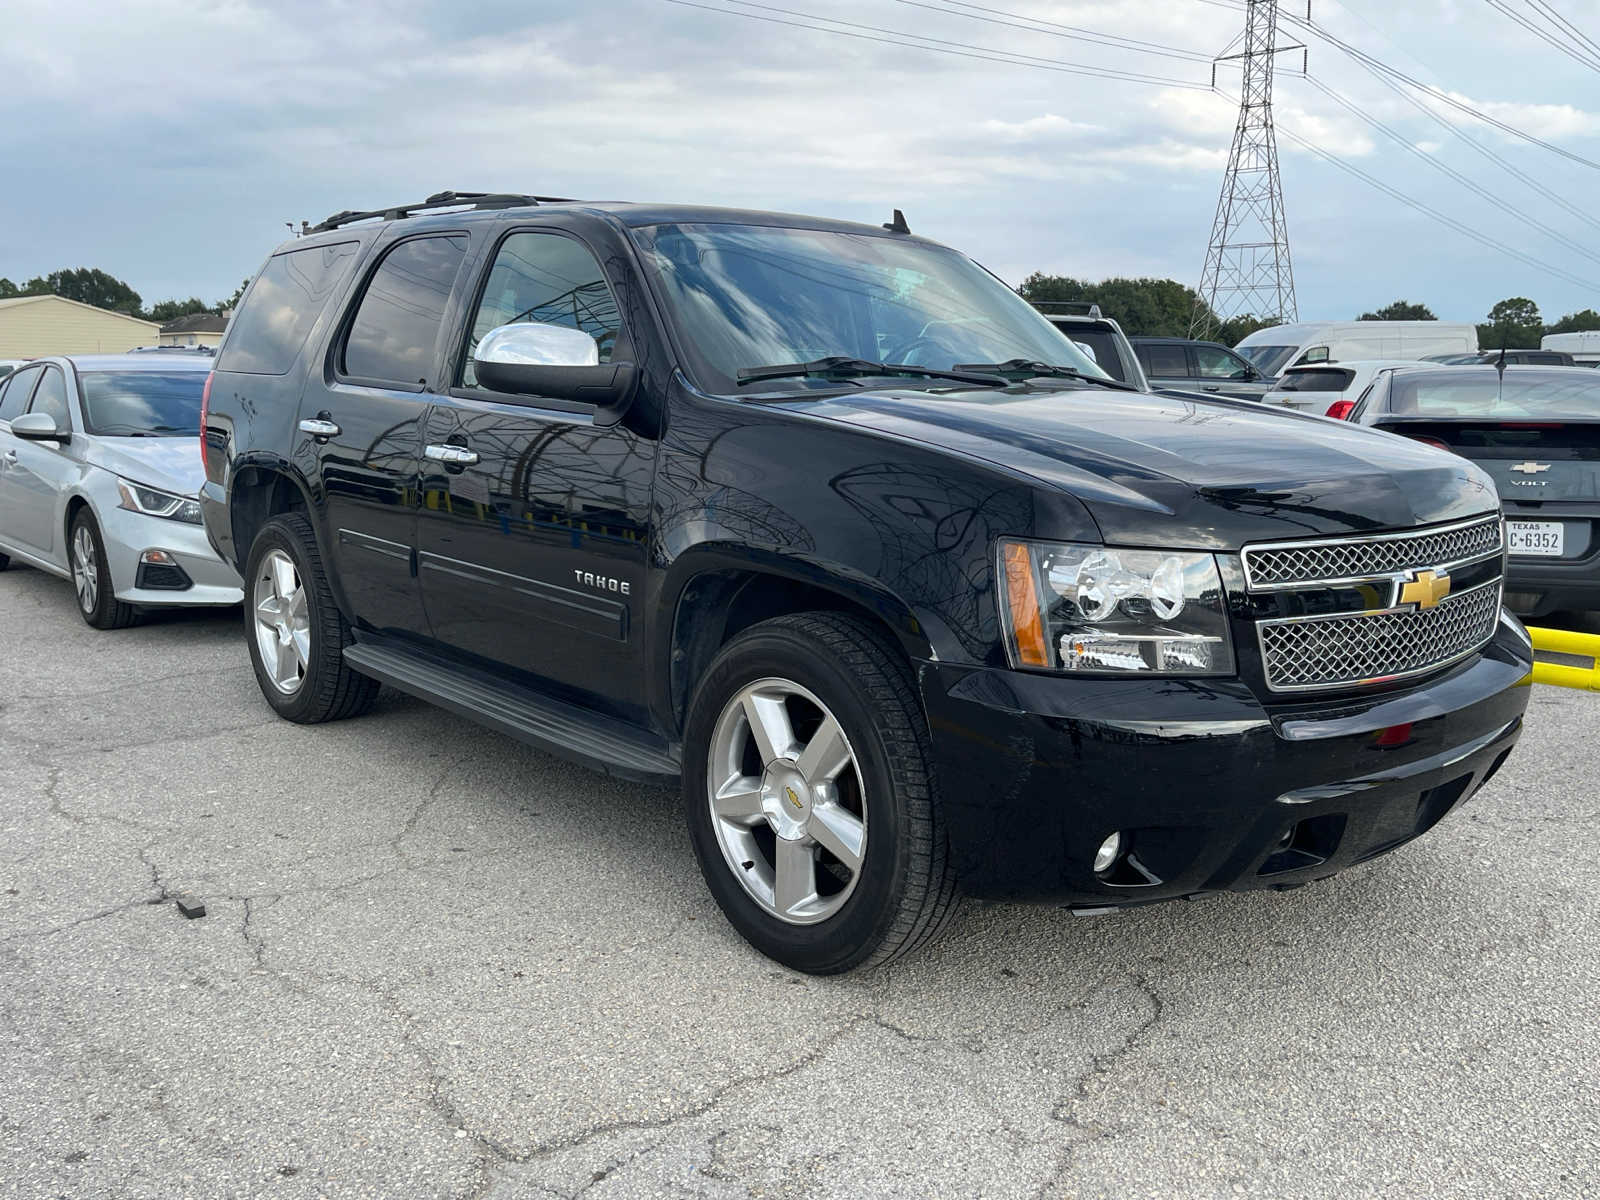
[{"x": 562, "y": 729}]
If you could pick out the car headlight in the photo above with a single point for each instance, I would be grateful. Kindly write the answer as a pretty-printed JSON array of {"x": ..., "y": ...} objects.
[
  {"x": 152, "y": 503},
  {"x": 1099, "y": 610}
]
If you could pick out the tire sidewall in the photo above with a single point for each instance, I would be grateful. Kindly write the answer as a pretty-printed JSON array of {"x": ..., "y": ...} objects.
[
  {"x": 850, "y": 936},
  {"x": 103, "y": 614},
  {"x": 277, "y": 535}
]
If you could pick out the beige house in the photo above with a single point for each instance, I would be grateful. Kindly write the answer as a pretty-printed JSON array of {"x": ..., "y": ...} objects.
[
  {"x": 196, "y": 329},
  {"x": 34, "y": 326}
]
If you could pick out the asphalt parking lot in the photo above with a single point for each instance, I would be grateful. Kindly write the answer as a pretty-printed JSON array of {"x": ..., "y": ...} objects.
[{"x": 438, "y": 964}]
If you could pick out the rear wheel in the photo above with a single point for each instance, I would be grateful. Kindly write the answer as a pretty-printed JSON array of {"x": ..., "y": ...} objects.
[
  {"x": 296, "y": 632},
  {"x": 809, "y": 795},
  {"x": 91, "y": 577}
]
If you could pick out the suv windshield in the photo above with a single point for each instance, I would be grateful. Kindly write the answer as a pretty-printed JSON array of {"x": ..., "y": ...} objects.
[
  {"x": 745, "y": 296},
  {"x": 142, "y": 403},
  {"x": 1268, "y": 360}
]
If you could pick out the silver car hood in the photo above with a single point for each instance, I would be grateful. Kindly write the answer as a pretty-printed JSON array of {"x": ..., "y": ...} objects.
[{"x": 169, "y": 463}]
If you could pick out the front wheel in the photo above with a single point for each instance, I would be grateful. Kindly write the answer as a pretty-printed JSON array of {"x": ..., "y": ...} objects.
[
  {"x": 809, "y": 795},
  {"x": 295, "y": 630},
  {"x": 91, "y": 577}
]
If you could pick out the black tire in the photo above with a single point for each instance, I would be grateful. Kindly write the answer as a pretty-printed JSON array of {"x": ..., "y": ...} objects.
[
  {"x": 905, "y": 892},
  {"x": 5, "y": 561},
  {"x": 100, "y": 608},
  {"x": 329, "y": 690}
]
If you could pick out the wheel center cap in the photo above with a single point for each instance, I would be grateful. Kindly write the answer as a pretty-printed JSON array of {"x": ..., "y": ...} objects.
[{"x": 786, "y": 801}]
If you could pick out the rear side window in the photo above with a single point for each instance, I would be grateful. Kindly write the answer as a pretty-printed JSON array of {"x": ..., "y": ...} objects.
[
  {"x": 14, "y": 400},
  {"x": 396, "y": 328},
  {"x": 51, "y": 398},
  {"x": 1168, "y": 361},
  {"x": 1327, "y": 379},
  {"x": 284, "y": 302},
  {"x": 1099, "y": 344}
]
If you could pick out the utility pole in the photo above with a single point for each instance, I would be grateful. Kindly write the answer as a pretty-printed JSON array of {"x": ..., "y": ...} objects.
[{"x": 1248, "y": 271}]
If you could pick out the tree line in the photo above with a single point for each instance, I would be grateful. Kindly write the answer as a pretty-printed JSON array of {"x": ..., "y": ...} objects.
[
  {"x": 1165, "y": 308},
  {"x": 90, "y": 285}
]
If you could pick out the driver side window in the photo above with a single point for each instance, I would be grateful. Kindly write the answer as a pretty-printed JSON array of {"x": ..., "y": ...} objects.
[
  {"x": 1218, "y": 364},
  {"x": 550, "y": 279},
  {"x": 51, "y": 398}
]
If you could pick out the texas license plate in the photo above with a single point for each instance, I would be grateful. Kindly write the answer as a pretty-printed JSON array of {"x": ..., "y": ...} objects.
[{"x": 1542, "y": 539}]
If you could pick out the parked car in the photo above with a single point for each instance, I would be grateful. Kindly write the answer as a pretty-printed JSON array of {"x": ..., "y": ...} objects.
[
  {"x": 1278, "y": 347},
  {"x": 824, "y": 525},
  {"x": 1199, "y": 367},
  {"x": 1537, "y": 435},
  {"x": 1330, "y": 389},
  {"x": 8, "y": 365},
  {"x": 1099, "y": 338},
  {"x": 1584, "y": 346},
  {"x": 98, "y": 475}
]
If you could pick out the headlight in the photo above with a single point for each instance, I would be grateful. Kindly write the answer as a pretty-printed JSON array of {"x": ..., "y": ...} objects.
[
  {"x": 140, "y": 499},
  {"x": 1104, "y": 611}
]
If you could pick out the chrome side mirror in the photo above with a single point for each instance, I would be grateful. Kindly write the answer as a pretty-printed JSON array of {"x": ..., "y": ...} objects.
[
  {"x": 555, "y": 361},
  {"x": 530, "y": 343},
  {"x": 38, "y": 427}
]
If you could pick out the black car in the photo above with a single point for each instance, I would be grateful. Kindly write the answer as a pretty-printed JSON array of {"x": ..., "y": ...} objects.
[
  {"x": 822, "y": 524},
  {"x": 1537, "y": 433},
  {"x": 1199, "y": 367}
]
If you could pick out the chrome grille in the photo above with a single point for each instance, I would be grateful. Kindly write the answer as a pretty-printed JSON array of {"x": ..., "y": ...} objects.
[
  {"x": 1273, "y": 568},
  {"x": 1304, "y": 653}
]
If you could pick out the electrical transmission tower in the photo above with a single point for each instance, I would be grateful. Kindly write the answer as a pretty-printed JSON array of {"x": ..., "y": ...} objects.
[{"x": 1247, "y": 270}]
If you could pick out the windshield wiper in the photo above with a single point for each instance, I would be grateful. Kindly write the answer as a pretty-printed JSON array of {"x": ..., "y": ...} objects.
[
  {"x": 840, "y": 367},
  {"x": 1017, "y": 369},
  {"x": 147, "y": 431}
]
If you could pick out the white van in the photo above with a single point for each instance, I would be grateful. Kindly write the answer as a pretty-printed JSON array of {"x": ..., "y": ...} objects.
[
  {"x": 1279, "y": 347},
  {"x": 1584, "y": 347}
]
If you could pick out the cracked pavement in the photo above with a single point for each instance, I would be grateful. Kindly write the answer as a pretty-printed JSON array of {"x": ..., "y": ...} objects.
[{"x": 440, "y": 964}]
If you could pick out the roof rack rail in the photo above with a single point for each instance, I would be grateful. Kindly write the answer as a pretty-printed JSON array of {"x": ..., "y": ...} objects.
[
  {"x": 478, "y": 200},
  {"x": 1068, "y": 308}
]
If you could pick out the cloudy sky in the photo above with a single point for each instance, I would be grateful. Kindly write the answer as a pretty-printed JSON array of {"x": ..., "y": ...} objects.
[{"x": 169, "y": 142}]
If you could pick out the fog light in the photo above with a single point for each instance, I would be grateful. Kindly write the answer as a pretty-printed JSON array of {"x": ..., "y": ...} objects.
[{"x": 1107, "y": 854}]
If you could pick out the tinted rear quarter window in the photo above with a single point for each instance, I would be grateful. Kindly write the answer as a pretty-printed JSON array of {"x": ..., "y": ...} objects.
[
  {"x": 396, "y": 327},
  {"x": 284, "y": 302}
]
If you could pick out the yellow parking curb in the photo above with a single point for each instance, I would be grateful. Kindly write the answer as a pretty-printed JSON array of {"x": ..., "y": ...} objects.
[{"x": 1566, "y": 659}]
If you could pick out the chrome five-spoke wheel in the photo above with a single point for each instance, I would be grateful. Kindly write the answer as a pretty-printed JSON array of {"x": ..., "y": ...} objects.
[
  {"x": 283, "y": 622},
  {"x": 786, "y": 801},
  {"x": 85, "y": 568}
]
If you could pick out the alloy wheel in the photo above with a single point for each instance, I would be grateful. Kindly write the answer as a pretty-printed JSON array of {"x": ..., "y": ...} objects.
[
  {"x": 283, "y": 621},
  {"x": 786, "y": 801},
  {"x": 85, "y": 568}
]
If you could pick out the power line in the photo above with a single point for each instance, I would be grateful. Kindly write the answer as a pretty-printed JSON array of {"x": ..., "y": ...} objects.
[
  {"x": 1566, "y": 26},
  {"x": 1428, "y": 210},
  {"x": 1472, "y": 186},
  {"x": 938, "y": 45},
  {"x": 1544, "y": 35},
  {"x": 1427, "y": 88},
  {"x": 1056, "y": 29}
]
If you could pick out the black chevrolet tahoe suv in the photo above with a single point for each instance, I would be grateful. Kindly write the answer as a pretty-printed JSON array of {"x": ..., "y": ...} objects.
[{"x": 823, "y": 524}]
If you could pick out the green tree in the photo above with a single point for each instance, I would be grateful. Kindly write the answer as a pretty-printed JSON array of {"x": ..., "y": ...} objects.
[
  {"x": 1400, "y": 310},
  {"x": 87, "y": 285},
  {"x": 171, "y": 310},
  {"x": 1143, "y": 307},
  {"x": 222, "y": 306},
  {"x": 1514, "y": 323},
  {"x": 1578, "y": 322}
]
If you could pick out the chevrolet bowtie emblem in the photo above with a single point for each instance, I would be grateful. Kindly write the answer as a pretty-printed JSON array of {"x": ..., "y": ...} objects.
[
  {"x": 1425, "y": 589},
  {"x": 794, "y": 797},
  {"x": 1530, "y": 468}
]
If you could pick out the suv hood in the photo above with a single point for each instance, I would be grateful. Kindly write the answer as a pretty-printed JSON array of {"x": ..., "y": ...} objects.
[
  {"x": 1204, "y": 474},
  {"x": 169, "y": 463}
]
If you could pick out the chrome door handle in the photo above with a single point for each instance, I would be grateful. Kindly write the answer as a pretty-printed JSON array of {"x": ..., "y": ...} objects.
[
  {"x": 9, "y": 457},
  {"x": 455, "y": 456},
  {"x": 1211, "y": 387},
  {"x": 320, "y": 427}
]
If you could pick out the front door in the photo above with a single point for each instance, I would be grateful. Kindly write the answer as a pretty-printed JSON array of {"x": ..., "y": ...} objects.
[
  {"x": 36, "y": 473},
  {"x": 365, "y": 428},
  {"x": 531, "y": 554}
]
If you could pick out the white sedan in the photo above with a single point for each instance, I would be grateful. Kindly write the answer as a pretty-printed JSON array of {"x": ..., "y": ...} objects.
[{"x": 99, "y": 469}]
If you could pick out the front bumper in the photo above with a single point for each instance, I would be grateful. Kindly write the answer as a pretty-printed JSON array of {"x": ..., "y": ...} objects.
[
  {"x": 1211, "y": 789},
  {"x": 129, "y": 534}
]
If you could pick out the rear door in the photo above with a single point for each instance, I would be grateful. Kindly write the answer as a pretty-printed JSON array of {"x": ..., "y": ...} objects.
[
  {"x": 365, "y": 415},
  {"x": 37, "y": 472},
  {"x": 531, "y": 554}
]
